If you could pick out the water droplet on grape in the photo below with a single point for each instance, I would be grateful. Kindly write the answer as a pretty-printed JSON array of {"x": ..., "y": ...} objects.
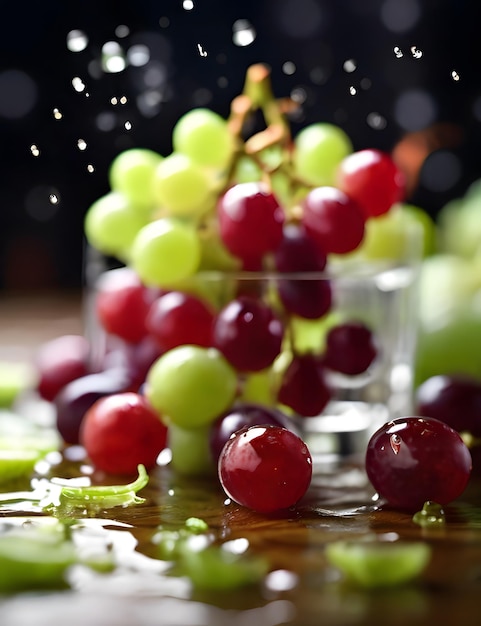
[
  {"x": 349, "y": 66},
  {"x": 34, "y": 149},
  {"x": 81, "y": 144},
  {"x": 431, "y": 516},
  {"x": 398, "y": 52},
  {"x": 188, "y": 5},
  {"x": 243, "y": 33},
  {"x": 202, "y": 52},
  {"x": 454, "y": 75},
  {"x": 54, "y": 199},
  {"x": 416, "y": 52},
  {"x": 113, "y": 60},
  {"x": 57, "y": 114},
  {"x": 77, "y": 41},
  {"x": 376, "y": 121},
  {"x": 352, "y": 90},
  {"x": 395, "y": 441},
  {"x": 78, "y": 84},
  {"x": 128, "y": 125}
]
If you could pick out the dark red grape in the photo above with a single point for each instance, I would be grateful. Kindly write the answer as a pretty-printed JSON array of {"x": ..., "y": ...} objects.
[
  {"x": 59, "y": 362},
  {"x": 297, "y": 252},
  {"x": 122, "y": 303},
  {"x": 136, "y": 359},
  {"x": 373, "y": 180},
  {"x": 250, "y": 221},
  {"x": 333, "y": 220},
  {"x": 350, "y": 348},
  {"x": 265, "y": 468},
  {"x": 178, "y": 318},
  {"x": 303, "y": 387},
  {"x": 120, "y": 431},
  {"x": 77, "y": 397},
  {"x": 243, "y": 416},
  {"x": 411, "y": 460},
  {"x": 248, "y": 334},
  {"x": 455, "y": 400}
]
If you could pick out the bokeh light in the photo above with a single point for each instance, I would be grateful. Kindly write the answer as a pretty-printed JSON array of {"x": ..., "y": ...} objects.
[{"x": 18, "y": 94}]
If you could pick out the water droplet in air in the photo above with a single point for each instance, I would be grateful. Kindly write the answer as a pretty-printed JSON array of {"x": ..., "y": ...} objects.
[
  {"x": 123, "y": 100},
  {"x": 202, "y": 52},
  {"x": 454, "y": 75},
  {"x": 114, "y": 100},
  {"x": 113, "y": 60},
  {"x": 416, "y": 52},
  {"x": 57, "y": 114},
  {"x": 128, "y": 125},
  {"x": 122, "y": 31},
  {"x": 188, "y": 5},
  {"x": 289, "y": 68},
  {"x": 376, "y": 121},
  {"x": 54, "y": 199},
  {"x": 138, "y": 55},
  {"x": 366, "y": 83},
  {"x": 222, "y": 81},
  {"x": 299, "y": 95},
  {"x": 243, "y": 33},
  {"x": 398, "y": 52},
  {"x": 164, "y": 22},
  {"x": 352, "y": 90},
  {"x": 78, "y": 84},
  {"x": 350, "y": 65},
  {"x": 77, "y": 40},
  {"x": 35, "y": 150},
  {"x": 90, "y": 168},
  {"x": 81, "y": 144}
]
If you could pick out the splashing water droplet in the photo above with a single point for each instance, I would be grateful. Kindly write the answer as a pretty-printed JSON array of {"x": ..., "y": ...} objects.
[
  {"x": 349, "y": 66},
  {"x": 35, "y": 150},
  {"x": 90, "y": 168},
  {"x": 202, "y": 52},
  {"x": 243, "y": 33},
  {"x": 352, "y": 90},
  {"x": 416, "y": 52},
  {"x": 113, "y": 59},
  {"x": 376, "y": 121},
  {"x": 57, "y": 114},
  {"x": 78, "y": 84},
  {"x": 81, "y": 144},
  {"x": 398, "y": 52},
  {"x": 128, "y": 125},
  {"x": 114, "y": 100},
  {"x": 188, "y": 5},
  {"x": 77, "y": 40},
  {"x": 454, "y": 75},
  {"x": 54, "y": 199},
  {"x": 123, "y": 100},
  {"x": 289, "y": 68}
]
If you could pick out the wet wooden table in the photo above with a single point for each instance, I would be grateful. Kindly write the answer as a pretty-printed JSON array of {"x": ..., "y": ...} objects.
[{"x": 302, "y": 590}]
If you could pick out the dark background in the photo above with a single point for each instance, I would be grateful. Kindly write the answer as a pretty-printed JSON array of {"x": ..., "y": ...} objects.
[{"x": 305, "y": 42}]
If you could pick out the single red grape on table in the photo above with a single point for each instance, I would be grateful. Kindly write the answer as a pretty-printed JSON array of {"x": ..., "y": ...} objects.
[
  {"x": 412, "y": 460},
  {"x": 265, "y": 468}
]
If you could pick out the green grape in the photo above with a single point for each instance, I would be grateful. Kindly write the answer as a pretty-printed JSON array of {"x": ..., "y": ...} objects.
[
  {"x": 257, "y": 387},
  {"x": 379, "y": 564},
  {"x": 204, "y": 136},
  {"x": 310, "y": 335},
  {"x": 16, "y": 464},
  {"x": 182, "y": 187},
  {"x": 111, "y": 224},
  {"x": 247, "y": 171},
  {"x": 14, "y": 379},
  {"x": 428, "y": 225},
  {"x": 132, "y": 174},
  {"x": 191, "y": 454},
  {"x": 165, "y": 251},
  {"x": 318, "y": 150},
  {"x": 190, "y": 386},
  {"x": 459, "y": 224}
]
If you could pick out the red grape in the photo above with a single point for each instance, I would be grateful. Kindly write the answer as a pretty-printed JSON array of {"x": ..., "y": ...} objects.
[
  {"x": 242, "y": 416},
  {"x": 178, "y": 318},
  {"x": 411, "y": 460},
  {"x": 136, "y": 359},
  {"x": 333, "y": 220},
  {"x": 297, "y": 252},
  {"x": 350, "y": 348},
  {"x": 303, "y": 387},
  {"x": 373, "y": 180},
  {"x": 59, "y": 362},
  {"x": 250, "y": 221},
  {"x": 72, "y": 402},
  {"x": 248, "y": 334},
  {"x": 122, "y": 304},
  {"x": 121, "y": 431},
  {"x": 455, "y": 400},
  {"x": 265, "y": 468}
]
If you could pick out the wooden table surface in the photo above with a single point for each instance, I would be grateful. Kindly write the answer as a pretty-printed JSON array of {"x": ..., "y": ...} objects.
[{"x": 306, "y": 591}]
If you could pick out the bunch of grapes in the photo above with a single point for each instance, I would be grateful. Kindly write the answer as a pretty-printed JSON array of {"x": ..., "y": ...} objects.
[{"x": 226, "y": 244}]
